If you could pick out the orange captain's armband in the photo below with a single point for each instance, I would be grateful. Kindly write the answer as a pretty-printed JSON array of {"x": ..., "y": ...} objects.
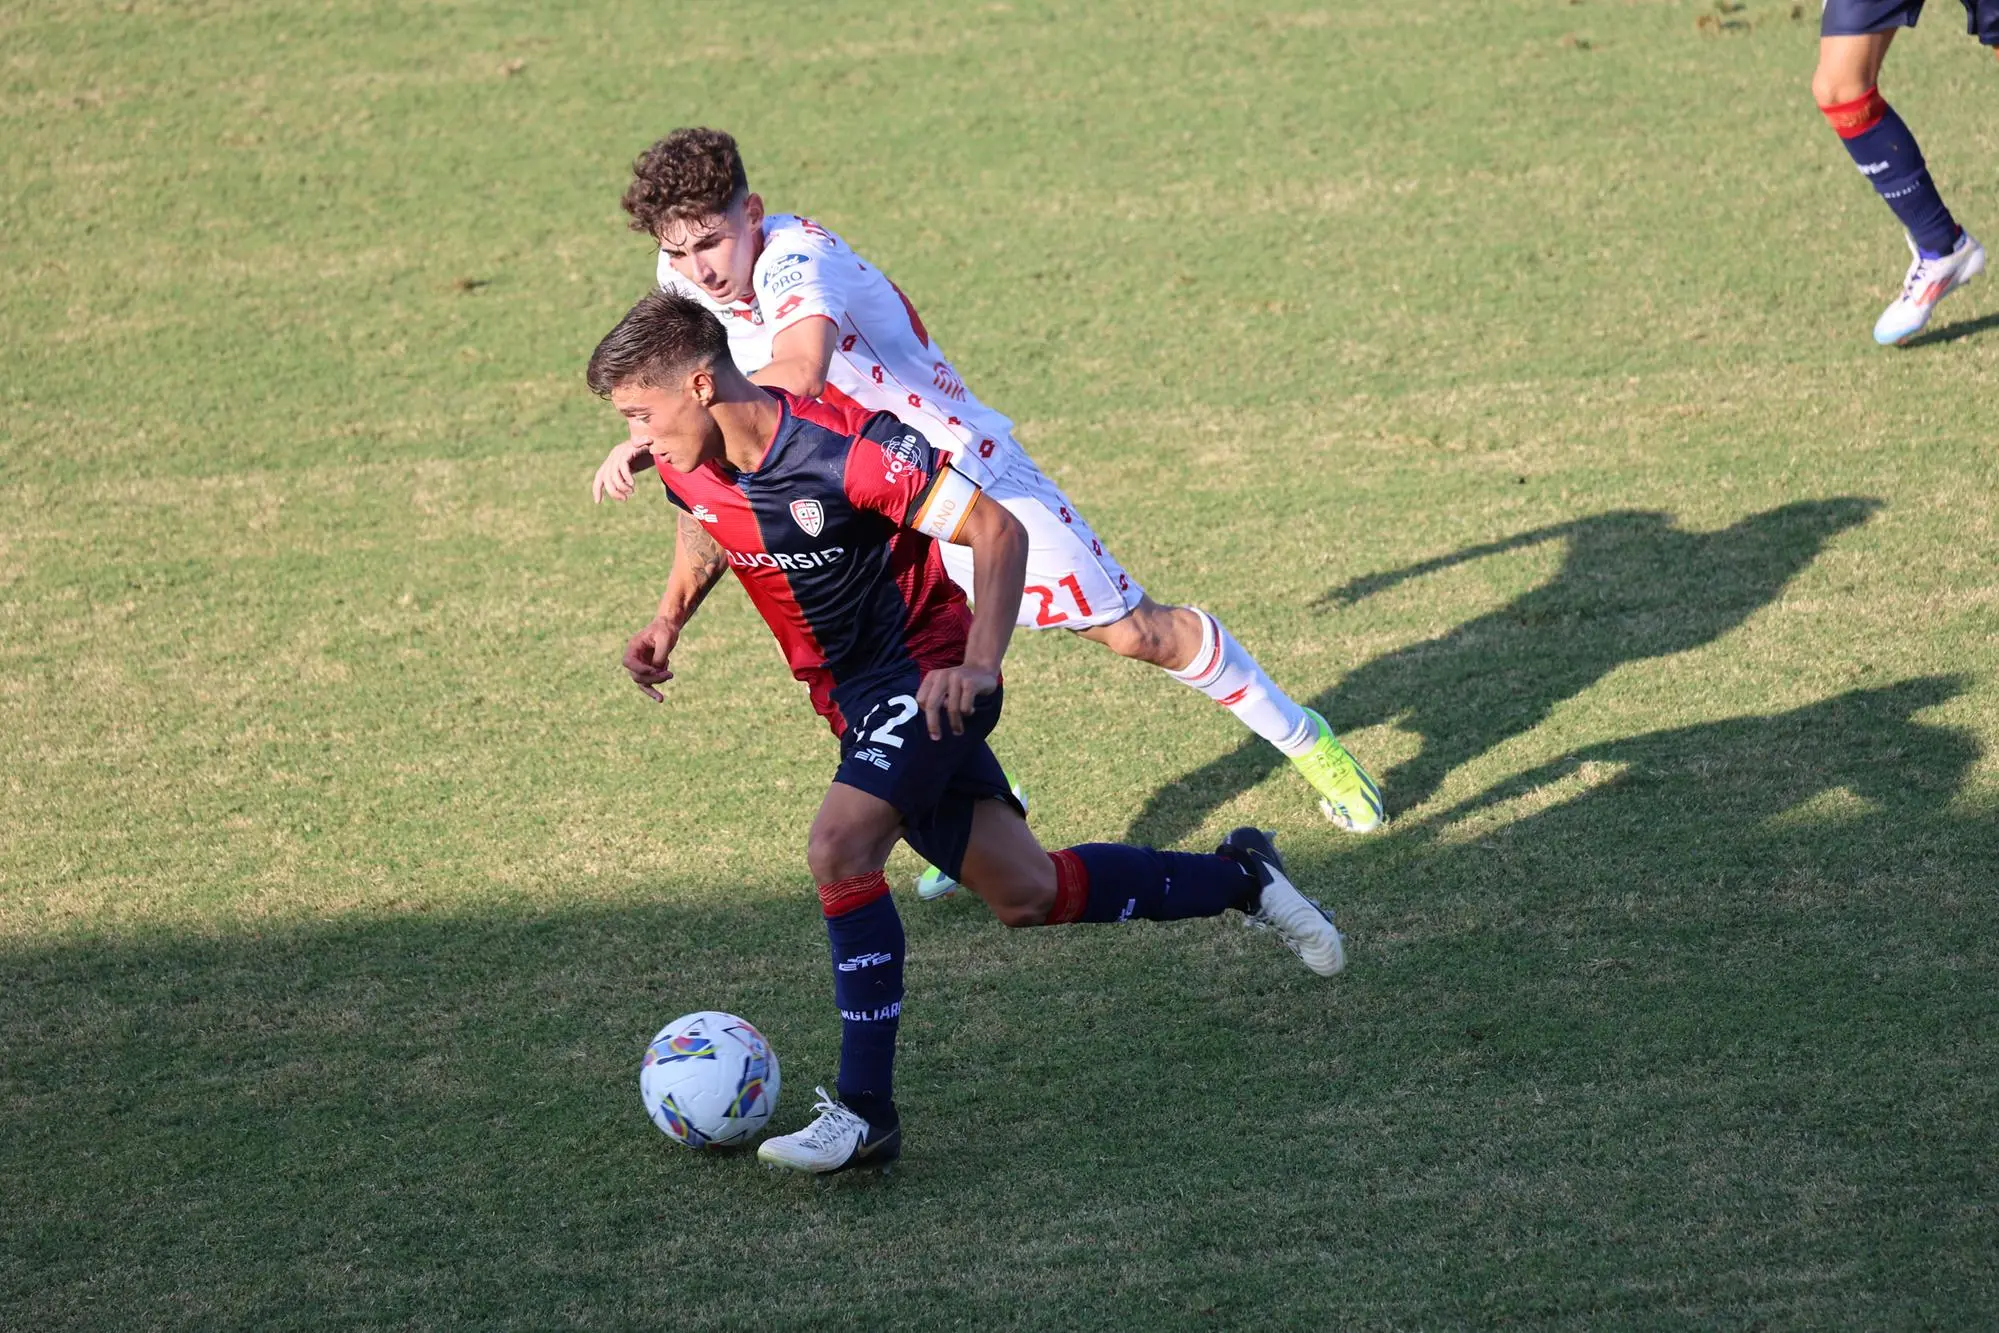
[{"x": 950, "y": 498}]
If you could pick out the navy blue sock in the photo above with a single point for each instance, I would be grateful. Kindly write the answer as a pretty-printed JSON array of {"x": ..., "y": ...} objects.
[
  {"x": 1887, "y": 154},
  {"x": 866, "y": 935},
  {"x": 1108, "y": 881}
]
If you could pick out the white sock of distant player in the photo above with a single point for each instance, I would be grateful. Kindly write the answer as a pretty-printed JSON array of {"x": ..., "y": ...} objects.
[{"x": 1223, "y": 671}]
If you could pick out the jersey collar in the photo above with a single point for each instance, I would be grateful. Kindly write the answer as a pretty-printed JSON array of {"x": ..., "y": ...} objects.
[{"x": 777, "y": 432}]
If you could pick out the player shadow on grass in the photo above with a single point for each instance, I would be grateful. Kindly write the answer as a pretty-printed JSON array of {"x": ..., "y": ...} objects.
[
  {"x": 1690, "y": 802},
  {"x": 1632, "y": 585}
]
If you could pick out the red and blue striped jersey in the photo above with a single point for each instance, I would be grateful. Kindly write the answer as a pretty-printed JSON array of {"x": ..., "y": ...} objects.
[{"x": 833, "y": 537}]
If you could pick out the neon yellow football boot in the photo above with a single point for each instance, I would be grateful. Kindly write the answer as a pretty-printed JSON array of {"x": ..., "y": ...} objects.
[{"x": 1350, "y": 798}]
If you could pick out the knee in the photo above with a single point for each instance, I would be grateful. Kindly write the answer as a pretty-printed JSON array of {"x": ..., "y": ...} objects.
[
  {"x": 836, "y": 854},
  {"x": 1837, "y": 86},
  {"x": 1024, "y": 911},
  {"x": 1019, "y": 899}
]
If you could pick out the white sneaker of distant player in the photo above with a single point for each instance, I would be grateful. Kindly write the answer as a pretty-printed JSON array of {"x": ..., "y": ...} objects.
[
  {"x": 1928, "y": 282},
  {"x": 1301, "y": 923}
]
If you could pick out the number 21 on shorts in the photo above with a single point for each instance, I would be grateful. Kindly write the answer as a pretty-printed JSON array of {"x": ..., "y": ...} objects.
[{"x": 1047, "y": 613}]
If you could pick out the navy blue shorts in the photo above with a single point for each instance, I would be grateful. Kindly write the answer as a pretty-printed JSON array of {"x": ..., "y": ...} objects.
[
  {"x": 934, "y": 785},
  {"x": 1855, "y": 18}
]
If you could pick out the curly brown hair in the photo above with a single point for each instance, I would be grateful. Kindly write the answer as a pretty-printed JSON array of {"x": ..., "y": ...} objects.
[{"x": 689, "y": 175}]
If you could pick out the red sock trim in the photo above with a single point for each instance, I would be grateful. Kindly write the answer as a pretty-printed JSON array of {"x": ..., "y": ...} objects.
[
  {"x": 1072, "y": 887},
  {"x": 856, "y": 891},
  {"x": 1852, "y": 119}
]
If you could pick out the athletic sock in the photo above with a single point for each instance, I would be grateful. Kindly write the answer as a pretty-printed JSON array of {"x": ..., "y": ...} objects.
[
  {"x": 1887, "y": 154},
  {"x": 1223, "y": 671},
  {"x": 866, "y": 935},
  {"x": 1109, "y": 881}
]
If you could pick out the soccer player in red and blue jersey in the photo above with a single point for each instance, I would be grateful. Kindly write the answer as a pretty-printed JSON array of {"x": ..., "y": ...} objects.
[
  {"x": 831, "y": 519},
  {"x": 1854, "y": 36}
]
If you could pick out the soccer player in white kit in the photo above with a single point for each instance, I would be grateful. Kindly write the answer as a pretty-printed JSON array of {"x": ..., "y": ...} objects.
[{"x": 807, "y": 314}]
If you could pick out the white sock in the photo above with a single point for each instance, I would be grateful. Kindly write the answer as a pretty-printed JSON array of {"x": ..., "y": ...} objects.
[{"x": 1230, "y": 676}]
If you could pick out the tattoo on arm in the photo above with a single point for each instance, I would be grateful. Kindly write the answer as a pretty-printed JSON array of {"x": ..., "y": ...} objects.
[{"x": 704, "y": 555}]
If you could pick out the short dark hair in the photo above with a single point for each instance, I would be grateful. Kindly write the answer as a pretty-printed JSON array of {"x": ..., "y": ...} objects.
[
  {"x": 689, "y": 175},
  {"x": 658, "y": 343}
]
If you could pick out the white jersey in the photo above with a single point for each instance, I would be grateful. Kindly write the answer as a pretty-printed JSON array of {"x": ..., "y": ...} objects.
[{"x": 883, "y": 358}]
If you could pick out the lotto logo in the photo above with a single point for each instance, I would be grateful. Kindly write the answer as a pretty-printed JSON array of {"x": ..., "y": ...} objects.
[
  {"x": 914, "y": 401},
  {"x": 947, "y": 379},
  {"x": 877, "y": 373},
  {"x": 986, "y": 448},
  {"x": 847, "y": 343},
  {"x": 791, "y": 303}
]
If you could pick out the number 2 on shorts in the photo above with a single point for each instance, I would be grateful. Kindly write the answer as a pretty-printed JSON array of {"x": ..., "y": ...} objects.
[{"x": 905, "y": 708}]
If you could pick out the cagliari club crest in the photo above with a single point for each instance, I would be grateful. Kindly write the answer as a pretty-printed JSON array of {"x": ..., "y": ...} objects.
[{"x": 810, "y": 515}]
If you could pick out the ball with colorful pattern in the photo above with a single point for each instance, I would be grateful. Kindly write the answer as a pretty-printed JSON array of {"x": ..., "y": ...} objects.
[{"x": 709, "y": 1080}]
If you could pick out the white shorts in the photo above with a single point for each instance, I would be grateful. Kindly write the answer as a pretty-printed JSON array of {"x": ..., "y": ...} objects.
[{"x": 1072, "y": 581}]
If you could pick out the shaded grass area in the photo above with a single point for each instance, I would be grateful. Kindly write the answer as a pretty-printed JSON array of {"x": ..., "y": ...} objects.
[{"x": 1740, "y": 1067}]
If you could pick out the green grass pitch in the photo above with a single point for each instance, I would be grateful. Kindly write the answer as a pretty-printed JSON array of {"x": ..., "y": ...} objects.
[{"x": 1499, "y": 372}]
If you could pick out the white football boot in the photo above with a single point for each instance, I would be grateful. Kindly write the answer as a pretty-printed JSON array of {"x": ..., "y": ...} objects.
[
  {"x": 1928, "y": 282},
  {"x": 838, "y": 1140},
  {"x": 1305, "y": 927}
]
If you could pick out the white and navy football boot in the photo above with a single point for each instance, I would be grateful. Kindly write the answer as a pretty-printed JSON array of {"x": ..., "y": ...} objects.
[
  {"x": 1305, "y": 927},
  {"x": 839, "y": 1140},
  {"x": 1928, "y": 282}
]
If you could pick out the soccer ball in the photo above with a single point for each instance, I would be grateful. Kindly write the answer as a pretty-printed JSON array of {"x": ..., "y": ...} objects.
[{"x": 709, "y": 1080}]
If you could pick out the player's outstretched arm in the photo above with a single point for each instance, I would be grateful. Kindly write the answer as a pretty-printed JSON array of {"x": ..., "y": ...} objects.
[
  {"x": 615, "y": 473},
  {"x": 799, "y": 357},
  {"x": 999, "y": 569},
  {"x": 698, "y": 562}
]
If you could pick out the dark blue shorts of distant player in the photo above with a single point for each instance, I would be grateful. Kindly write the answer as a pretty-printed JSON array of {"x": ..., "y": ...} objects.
[
  {"x": 934, "y": 785},
  {"x": 1854, "y": 18}
]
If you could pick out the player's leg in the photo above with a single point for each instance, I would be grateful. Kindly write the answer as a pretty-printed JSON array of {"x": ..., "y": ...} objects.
[
  {"x": 1006, "y": 866},
  {"x": 1074, "y": 583},
  {"x": 849, "y": 846},
  {"x": 893, "y": 776},
  {"x": 1195, "y": 649},
  {"x": 1854, "y": 37}
]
